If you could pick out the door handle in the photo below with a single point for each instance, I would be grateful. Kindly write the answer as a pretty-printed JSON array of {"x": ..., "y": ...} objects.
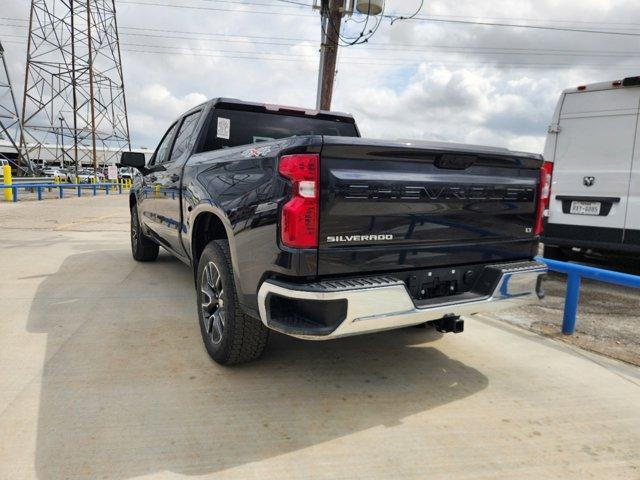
[{"x": 175, "y": 177}]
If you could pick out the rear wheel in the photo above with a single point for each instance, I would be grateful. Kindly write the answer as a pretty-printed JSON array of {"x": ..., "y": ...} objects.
[
  {"x": 229, "y": 335},
  {"x": 143, "y": 248}
]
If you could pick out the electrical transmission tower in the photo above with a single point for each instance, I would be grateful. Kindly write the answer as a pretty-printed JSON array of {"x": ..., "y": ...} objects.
[
  {"x": 74, "y": 88},
  {"x": 9, "y": 119}
]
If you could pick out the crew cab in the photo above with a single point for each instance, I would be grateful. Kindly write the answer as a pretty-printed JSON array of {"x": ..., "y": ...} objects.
[{"x": 292, "y": 222}]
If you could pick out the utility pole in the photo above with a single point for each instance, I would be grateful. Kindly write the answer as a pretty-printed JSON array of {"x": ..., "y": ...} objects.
[{"x": 331, "y": 12}]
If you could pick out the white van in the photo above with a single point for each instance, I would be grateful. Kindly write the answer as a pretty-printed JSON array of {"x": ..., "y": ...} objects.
[{"x": 594, "y": 146}]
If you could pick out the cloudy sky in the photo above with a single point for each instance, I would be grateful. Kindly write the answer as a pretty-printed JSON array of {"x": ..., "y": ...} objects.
[{"x": 419, "y": 79}]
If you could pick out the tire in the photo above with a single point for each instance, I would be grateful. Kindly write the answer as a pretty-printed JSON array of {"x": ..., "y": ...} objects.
[
  {"x": 143, "y": 248},
  {"x": 229, "y": 335},
  {"x": 555, "y": 253}
]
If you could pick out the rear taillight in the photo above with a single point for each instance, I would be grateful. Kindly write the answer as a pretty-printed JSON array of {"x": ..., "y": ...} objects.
[
  {"x": 544, "y": 195},
  {"x": 299, "y": 220}
]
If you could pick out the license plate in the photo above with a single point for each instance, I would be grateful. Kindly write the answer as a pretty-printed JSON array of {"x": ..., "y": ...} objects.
[{"x": 585, "y": 208}]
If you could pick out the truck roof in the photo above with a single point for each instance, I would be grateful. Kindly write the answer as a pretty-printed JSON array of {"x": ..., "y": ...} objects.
[
  {"x": 237, "y": 104},
  {"x": 610, "y": 85}
]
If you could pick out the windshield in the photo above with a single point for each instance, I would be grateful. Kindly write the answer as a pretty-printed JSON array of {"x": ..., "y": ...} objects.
[{"x": 231, "y": 128}]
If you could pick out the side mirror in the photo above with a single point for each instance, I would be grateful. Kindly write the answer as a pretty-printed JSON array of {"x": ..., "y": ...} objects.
[{"x": 133, "y": 159}]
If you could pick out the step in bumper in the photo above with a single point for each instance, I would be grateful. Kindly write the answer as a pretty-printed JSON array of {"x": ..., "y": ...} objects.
[{"x": 338, "y": 308}]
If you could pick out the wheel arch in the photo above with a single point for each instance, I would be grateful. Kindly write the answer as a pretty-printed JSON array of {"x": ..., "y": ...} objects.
[
  {"x": 208, "y": 222},
  {"x": 207, "y": 226}
]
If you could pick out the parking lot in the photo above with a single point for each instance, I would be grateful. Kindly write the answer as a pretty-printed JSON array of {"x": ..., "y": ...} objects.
[{"x": 104, "y": 376}]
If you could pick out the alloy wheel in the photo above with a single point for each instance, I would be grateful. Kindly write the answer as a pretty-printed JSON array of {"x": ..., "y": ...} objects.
[{"x": 212, "y": 302}]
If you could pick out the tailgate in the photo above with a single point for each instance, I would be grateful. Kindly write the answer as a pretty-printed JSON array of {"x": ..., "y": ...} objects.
[{"x": 387, "y": 207}]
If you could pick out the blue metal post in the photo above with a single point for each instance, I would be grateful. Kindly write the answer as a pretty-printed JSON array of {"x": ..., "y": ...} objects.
[
  {"x": 95, "y": 188},
  {"x": 15, "y": 193},
  {"x": 119, "y": 188},
  {"x": 106, "y": 188},
  {"x": 61, "y": 192},
  {"x": 39, "y": 193},
  {"x": 571, "y": 304}
]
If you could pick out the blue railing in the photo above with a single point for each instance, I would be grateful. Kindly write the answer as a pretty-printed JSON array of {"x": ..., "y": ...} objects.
[
  {"x": 575, "y": 273},
  {"x": 39, "y": 188}
]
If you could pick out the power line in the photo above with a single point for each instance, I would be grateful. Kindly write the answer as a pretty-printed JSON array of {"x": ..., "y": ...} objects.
[
  {"x": 249, "y": 39},
  {"x": 258, "y": 4},
  {"x": 404, "y": 64},
  {"x": 294, "y": 3},
  {"x": 398, "y": 60},
  {"x": 430, "y": 17},
  {"x": 246, "y": 39},
  {"x": 424, "y": 19},
  {"x": 549, "y": 20},
  {"x": 517, "y": 25},
  {"x": 386, "y": 48},
  {"x": 401, "y": 64},
  {"x": 193, "y": 7},
  {"x": 409, "y": 17}
]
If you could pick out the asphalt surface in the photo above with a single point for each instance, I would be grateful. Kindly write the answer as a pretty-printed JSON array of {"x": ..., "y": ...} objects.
[{"x": 103, "y": 375}]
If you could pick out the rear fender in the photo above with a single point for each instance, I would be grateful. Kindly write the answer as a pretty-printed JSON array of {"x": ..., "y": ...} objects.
[{"x": 188, "y": 242}]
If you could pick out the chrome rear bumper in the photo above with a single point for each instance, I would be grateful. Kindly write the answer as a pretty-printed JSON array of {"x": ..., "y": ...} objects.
[{"x": 371, "y": 304}]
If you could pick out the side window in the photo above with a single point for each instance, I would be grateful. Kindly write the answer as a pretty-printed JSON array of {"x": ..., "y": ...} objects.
[
  {"x": 184, "y": 135},
  {"x": 162, "y": 152}
]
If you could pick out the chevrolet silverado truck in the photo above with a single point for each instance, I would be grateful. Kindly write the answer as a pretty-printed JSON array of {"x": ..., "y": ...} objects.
[{"x": 292, "y": 222}]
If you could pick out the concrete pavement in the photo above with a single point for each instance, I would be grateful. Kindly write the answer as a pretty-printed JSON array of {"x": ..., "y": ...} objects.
[{"x": 103, "y": 375}]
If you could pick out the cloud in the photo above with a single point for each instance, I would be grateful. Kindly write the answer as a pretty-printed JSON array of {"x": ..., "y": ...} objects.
[{"x": 476, "y": 106}]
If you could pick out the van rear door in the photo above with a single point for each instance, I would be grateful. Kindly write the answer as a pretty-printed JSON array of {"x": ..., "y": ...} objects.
[
  {"x": 632, "y": 224},
  {"x": 593, "y": 159}
]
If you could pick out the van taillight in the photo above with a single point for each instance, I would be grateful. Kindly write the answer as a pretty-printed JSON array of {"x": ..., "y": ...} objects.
[
  {"x": 299, "y": 218},
  {"x": 544, "y": 195}
]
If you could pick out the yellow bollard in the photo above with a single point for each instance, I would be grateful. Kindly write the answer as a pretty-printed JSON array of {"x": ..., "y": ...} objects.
[
  {"x": 56, "y": 180},
  {"x": 157, "y": 191},
  {"x": 8, "y": 192}
]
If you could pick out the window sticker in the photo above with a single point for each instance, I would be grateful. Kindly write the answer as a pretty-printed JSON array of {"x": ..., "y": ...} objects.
[{"x": 224, "y": 128}]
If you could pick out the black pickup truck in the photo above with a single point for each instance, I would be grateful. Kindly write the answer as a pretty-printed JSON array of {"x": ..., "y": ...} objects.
[{"x": 292, "y": 222}]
